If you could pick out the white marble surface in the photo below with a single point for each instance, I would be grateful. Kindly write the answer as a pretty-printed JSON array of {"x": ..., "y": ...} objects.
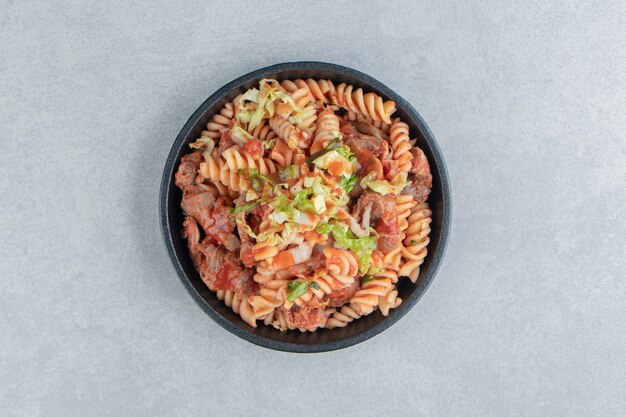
[{"x": 527, "y": 314}]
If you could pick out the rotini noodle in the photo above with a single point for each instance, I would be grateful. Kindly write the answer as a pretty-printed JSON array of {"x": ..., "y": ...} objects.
[
  {"x": 368, "y": 104},
  {"x": 221, "y": 120},
  {"x": 327, "y": 130},
  {"x": 239, "y": 305},
  {"x": 414, "y": 250},
  {"x": 399, "y": 138}
]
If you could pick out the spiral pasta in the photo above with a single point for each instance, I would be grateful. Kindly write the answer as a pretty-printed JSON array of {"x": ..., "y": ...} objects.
[
  {"x": 270, "y": 296},
  {"x": 414, "y": 250},
  {"x": 292, "y": 135},
  {"x": 216, "y": 170},
  {"x": 399, "y": 138},
  {"x": 366, "y": 299},
  {"x": 327, "y": 130},
  {"x": 263, "y": 131},
  {"x": 282, "y": 154},
  {"x": 356, "y": 117},
  {"x": 404, "y": 205},
  {"x": 221, "y": 120},
  {"x": 322, "y": 90},
  {"x": 346, "y": 315},
  {"x": 368, "y": 104},
  {"x": 237, "y": 159},
  {"x": 239, "y": 305}
]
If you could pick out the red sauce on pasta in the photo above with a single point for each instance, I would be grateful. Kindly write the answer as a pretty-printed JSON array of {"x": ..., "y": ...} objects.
[
  {"x": 226, "y": 277},
  {"x": 254, "y": 148}
]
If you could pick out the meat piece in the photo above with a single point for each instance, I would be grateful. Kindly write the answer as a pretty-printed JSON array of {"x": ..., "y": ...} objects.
[
  {"x": 359, "y": 141},
  {"x": 380, "y": 212},
  {"x": 226, "y": 141},
  {"x": 378, "y": 206},
  {"x": 222, "y": 228},
  {"x": 199, "y": 207},
  {"x": 253, "y": 220},
  {"x": 187, "y": 172},
  {"x": 309, "y": 267},
  {"x": 337, "y": 298},
  {"x": 422, "y": 182},
  {"x": 371, "y": 150},
  {"x": 214, "y": 217},
  {"x": 192, "y": 234},
  {"x": 222, "y": 270},
  {"x": 218, "y": 268},
  {"x": 365, "y": 127},
  {"x": 388, "y": 234},
  {"x": 420, "y": 166},
  {"x": 305, "y": 318},
  {"x": 390, "y": 167},
  {"x": 419, "y": 188}
]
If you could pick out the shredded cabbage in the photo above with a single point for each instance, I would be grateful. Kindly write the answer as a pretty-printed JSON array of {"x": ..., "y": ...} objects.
[
  {"x": 202, "y": 142},
  {"x": 240, "y": 136},
  {"x": 395, "y": 186}
]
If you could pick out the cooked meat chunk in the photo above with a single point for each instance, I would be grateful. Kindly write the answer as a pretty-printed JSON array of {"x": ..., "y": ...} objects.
[
  {"x": 222, "y": 229},
  {"x": 422, "y": 181},
  {"x": 309, "y": 267},
  {"x": 214, "y": 217},
  {"x": 378, "y": 211},
  {"x": 253, "y": 220},
  {"x": 226, "y": 141},
  {"x": 218, "y": 268},
  {"x": 188, "y": 170},
  {"x": 337, "y": 298},
  {"x": 420, "y": 166},
  {"x": 359, "y": 141},
  {"x": 372, "y": 152},
  {"x": 305, "y": 317}
]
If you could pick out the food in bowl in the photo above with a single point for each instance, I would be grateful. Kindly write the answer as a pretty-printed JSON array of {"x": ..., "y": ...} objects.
[{"x": 305, "y": 203}]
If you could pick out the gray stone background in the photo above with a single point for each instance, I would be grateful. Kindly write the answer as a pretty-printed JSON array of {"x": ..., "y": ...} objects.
[{"x": 527, "y": 314}]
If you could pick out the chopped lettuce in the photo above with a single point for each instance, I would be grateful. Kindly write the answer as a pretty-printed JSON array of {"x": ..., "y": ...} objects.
[
  {"x": 296, "y": 289},
  {"x": 347, "y": 183},
  {"x": 289, "y": 172},
  {"x": 202, "y": 142},
  {"x": 259, "y": 104},
  {"x": 242, "y": 208},
  {"x": 395, "y": 186},
  {"x": 240, "y": 136}
]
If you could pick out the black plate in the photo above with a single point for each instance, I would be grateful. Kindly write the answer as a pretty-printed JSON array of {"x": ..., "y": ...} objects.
[{"x": 321, "y": 340}]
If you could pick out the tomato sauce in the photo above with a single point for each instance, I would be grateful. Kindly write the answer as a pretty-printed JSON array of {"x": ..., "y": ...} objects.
[{"x": 254, "y": 148}]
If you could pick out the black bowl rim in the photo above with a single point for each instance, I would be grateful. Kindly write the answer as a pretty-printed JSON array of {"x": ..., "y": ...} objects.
[{"x": 406, "y": 305}]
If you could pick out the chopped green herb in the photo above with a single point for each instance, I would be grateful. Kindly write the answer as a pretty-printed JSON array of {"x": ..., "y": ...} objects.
[
  {"x": 315, "y": 286},
  {"x": 242, "y": 208},
  {"x": 332, "y": 145},
  {"x": 296, "y": 289},
  {"x": 414, "y": 242},
  {"x": 366, "y": 279},
  {"x": 255, "y": 178}
]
